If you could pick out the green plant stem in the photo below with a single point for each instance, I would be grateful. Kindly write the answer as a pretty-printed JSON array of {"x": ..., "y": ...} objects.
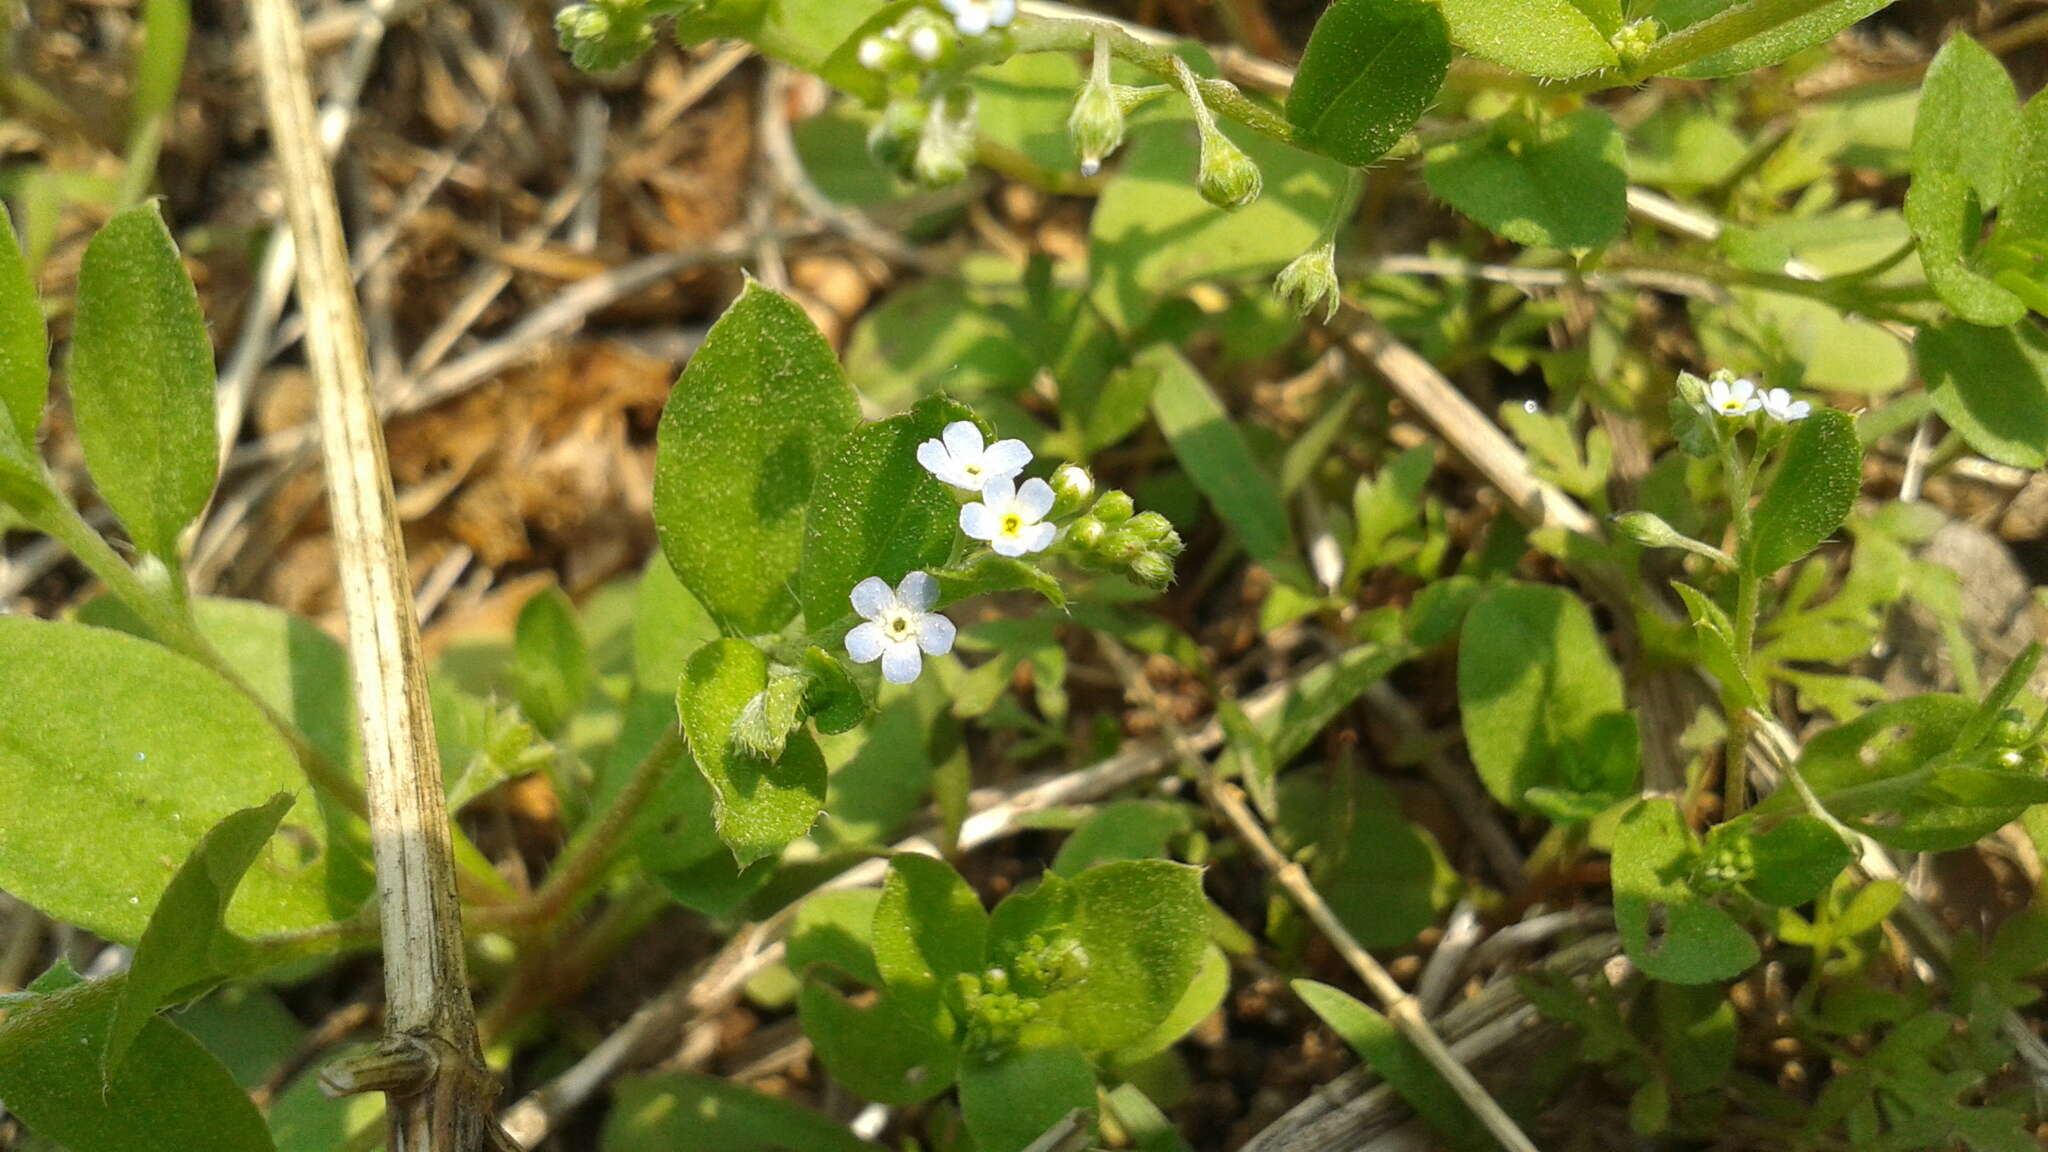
[
  {"x": 1722, "y": 32},
  {"x": 1735, "y": 753},
  {"x": 583, "y": 864},
  {"x": 1034, "y": 34}
]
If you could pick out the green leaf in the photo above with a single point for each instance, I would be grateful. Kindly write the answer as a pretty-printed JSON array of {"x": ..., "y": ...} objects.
[
  {"x": 24, "y": 344},
  {"x": 884, "y": 1052},
  {"x": 1796, "y": 860},
  {"x": 1671, "y": 932},
  {"x": 1371, "y": 69},
  {"x": 1716, "y": 635},
  {"x": 669, "y": 625},
  {"x": 1992, "y": 386},
  {"x": 1254, "y": 756},
  {"x": 1946, "y": 224},
  {"x": 929, "y": 928},
  {"x": 1204, "y": 995},
  {"x": 1152, "y": 235},
  {"x": 759, "y": 806},
  {"x": 169, "y": 1093},
  {"x": 1141, "y": 925},
  {"x": 1322, "y": 693},
  {"x": 671, "y": 1112},
  {"x": 876, "y": 512},
  {"x": 935, "y": 335},
  {"x": 1011, "y": 1101},
  {"x": 1551, "y": 38},
  {"x": 750, "y": 424},
  {"x": 1561, "y": 185},
  {"x": 99, "y": 814},
  {"x": 802, "y": 33},
  {"x": 833, "y": 929},
  {"x": 1382, "y": 875},
  {"x": 1124, "y": 830},
  {"x": 1787, "y": 39},
  {"x": 141, "y": 379},
  {"x": 1215, "y": 455},
  {"x": 187, "y": 946},
  {"x": 1396, "y": 1061},
  {"x": 1813, "y": 492},
  {"x": 1533, "y": 676},
  {"x": 1968, "y": 125},
  {"x": 2024, "y": 214},
  {"x": 1021, "y": 107},
  {"x": 990, "y": 574},
  {"x": 550, "y": 661}
]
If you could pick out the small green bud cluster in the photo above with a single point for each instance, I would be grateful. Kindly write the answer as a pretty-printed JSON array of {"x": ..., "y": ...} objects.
[
  {"x": 1114, "y": 536},
  {"x": 928, "y": 141},
  {"x": 2019, "y": 743},
  {"x": 604, "y": 35},
  {"x": 920, "y": 42},
  {"x": 1726, "y": 860},
  {"x": 1048, "y": 965},
  {"x": 996, "y": 1015},
  {"x": 1634, "y": 41},
  {"x": 1310, "y": 282}
]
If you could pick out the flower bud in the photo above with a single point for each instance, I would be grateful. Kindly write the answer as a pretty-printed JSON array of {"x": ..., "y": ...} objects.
[
  {"x": 1148, "y": 528},
  {"x": 947, "y": 149},
  {"x": 1152, "y": 570},
  {"x": 1071, "y": 488},
  {"x": 1311, "y": 281},
  {"x": 604, "y": 36},
  {"x": 926, "y": 44},
  {"x": 1086, "y": 533},
  {"x": 881, "y": 54},
  {"x": 1228, "y": 178},
  {"x": 1648, "y": 529},
  {"x": 1634, "y": 42},
  {"x": 770, "y": 715},
  {"x": 893, "y": 141},
  {"x": 1115, "y": 507},
  {"x": 1096, "y": 125}
]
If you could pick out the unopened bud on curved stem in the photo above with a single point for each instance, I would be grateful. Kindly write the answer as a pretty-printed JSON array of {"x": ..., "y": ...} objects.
[
  {"x": 1310, "y": 282},
  {"x": 1228, "y": 178},
  {"x": 1096, "y": 125}
]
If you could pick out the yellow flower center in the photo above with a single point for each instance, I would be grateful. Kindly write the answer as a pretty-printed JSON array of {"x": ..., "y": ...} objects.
[{"x": 1012, "y": 524}]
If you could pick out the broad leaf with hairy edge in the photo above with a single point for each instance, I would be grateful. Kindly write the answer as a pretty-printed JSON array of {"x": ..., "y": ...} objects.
[
  {"x": 1012, "y": 1100},
  {"x": 169, "y": 1093},
  {"x": 670, "y": 1112},
  {"x": 1563, "y": 184},
  {"x": 1969, "y": 120},
  {"x": 743, "y": 437},
  {"x": 877, "y": 512},
  {"x": 1396, "y": 1061},
  {"x": 1812, "y": 494},
  {"x": 1215, "y": 454},
  {"x": 2025, "y": 211},
  {"x": 929, "y": 928},
  {"x": 883, "y": 1051},
  {"x": 1533, "y": 676},
  {"x": 141, "y": 379},
  {"x": 1371, "y": 69},
  {"x": 186, "y": 946},
  {"x": 1551, "y": 38},
  {"x": 1796, "y": 859},
  {"x": 1140, "y": 927},
  {"x": 990, "y": 573},
  {"x": 1791, "y": 37},
  {"x": 24, "y": 344},
  {"x": 1947, "y": 224},
  {"x": 100, "y": 813},
  {"x": 759, "y": 806},
  {"x": 1671, "y": 931},
  {"x": 1992, "y": 386}
]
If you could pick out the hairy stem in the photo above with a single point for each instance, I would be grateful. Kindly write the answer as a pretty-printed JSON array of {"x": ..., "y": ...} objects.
[
  {"x": 1722, "y": 32},
  {"x": 1735, "y": 753}
]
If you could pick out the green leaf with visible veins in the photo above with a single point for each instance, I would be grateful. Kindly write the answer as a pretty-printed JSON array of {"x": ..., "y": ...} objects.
[
  {"x": 743, "y": 437},
  {"x": 1812, "y": 494},
  {"x": 169, "y": 1093},
  {"x": 759, "y": 806},
  {"x": 1550, "y": 38},
  {"x": 1140, "y": 927},
  {"x": 187, "y": 947},
  {"x": 929, "y": 928},
  {"x": 1371, "y": 69},
  {"x": 141, "y": 379},
  {"x": 1787, "y": 39},
  {"x": 100, "y": 813}
]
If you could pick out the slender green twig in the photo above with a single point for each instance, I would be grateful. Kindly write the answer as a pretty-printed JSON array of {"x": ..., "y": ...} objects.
[{"x": 1735, "y": 757}]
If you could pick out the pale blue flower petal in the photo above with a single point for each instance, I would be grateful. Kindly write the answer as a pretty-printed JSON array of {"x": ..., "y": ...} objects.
[
  {"x": 1034, "y": 499},
  {"x": 918, "y": 592},
  {"x": 871, "y": 597},
  {"x": 1005, "y": 458},
  {"x": 864, "y": 643},
  {"x": 964, "y": 441},
  {"x": 1038, "y": 537},
  {"x": 936, "y": 635},
  {"x": 901, "y": 663},
  {"x": 978, "y": 522}
]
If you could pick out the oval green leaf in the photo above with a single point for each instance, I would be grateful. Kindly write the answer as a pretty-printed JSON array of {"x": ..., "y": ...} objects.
[
  {"x": 1561, "y": 185},
  {"x": 1672, "y": 932},
  {"x": 1215, "y": 454},
  {"x": 100, "y": 813},
  {"x": 1991, "y": 385},
  {"x": 1969, "y": 120},
  {"x": 750, "y": 424},
  {"x": 1551, "y": 38},
  {"x": 1812, "y": 494},
  {"x": 24, "y": 342},
  {"x": 1371, "y": 69},
  {"x": 1009, "y": 1102},
  {"x": 141, "y": 378},
  {"x": 758, "y": 805},
  {"x": 1533, "y": 677}
]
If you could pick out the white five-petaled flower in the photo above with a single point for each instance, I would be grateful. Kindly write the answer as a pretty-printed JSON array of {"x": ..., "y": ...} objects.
[
  {"x": 1779, "y": 405},
  {"x": 1732, "y": 398},
  {"x": 974, "y": 17},
  {"x": 960, "y": 459},
  {"x": 900, "y": 627},
  {"x": 1010, "y": 518}
]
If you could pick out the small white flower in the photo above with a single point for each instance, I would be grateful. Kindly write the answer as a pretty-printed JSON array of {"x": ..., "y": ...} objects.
[
  {"x": 959, "y": 458},
  {"x": 874, "y": 53},
  {"x": 1732, "y": 398},
  {"x": 974, "y": 17},
  {"x": 925, "y": 44},
  {"x": 1779, "y": 405},
  {"x": 1011, "y": 518},
  {"x": 900, "y": 626}
]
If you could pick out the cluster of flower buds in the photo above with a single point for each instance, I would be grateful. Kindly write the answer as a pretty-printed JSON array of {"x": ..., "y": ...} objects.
[
  {"x": 1115, "y": 537},
  {"x": 1047, "y": 965},
  {"x": 1727, "y": 859},
  {"x": 996, "y": 1016},
  {"x": 927, "y": 130},
  {"x": 1634, "y": 41},
  {"x": 1731, "y": 397},
  {"x": 604, "y": 35}
]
